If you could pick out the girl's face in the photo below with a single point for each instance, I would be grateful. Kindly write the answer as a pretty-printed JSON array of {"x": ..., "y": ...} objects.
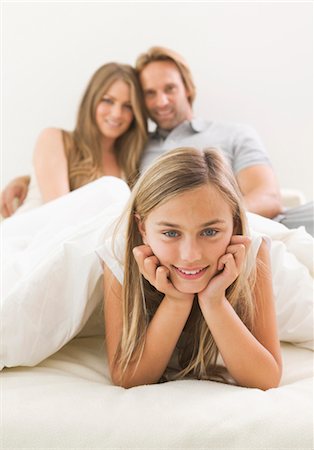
[
  {"x": 114, "y": 112},
  {"x": 188, "y": 234}
]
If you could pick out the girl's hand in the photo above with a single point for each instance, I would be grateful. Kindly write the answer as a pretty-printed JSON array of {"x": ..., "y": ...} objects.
[
  {"x": 157, "y": 275},
  {"x": 229, "y": 267}
]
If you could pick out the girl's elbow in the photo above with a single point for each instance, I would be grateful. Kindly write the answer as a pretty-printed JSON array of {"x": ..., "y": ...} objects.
[
  {"x": 273, "y": 381},
  {"x": 120, "y": 379},
  {"x": 121, "y": 383},
  {"x": 271, "y": 384},
  {"x": 277, "y": 379},
  {"x": 116, "y": 377},
  {"x": 129, "y": 379},
  {"x": 124, "y": 383}
]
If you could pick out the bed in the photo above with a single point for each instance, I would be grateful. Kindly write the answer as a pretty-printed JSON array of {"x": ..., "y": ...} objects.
[
  {"x": 67, "y": 401},
  {"x": 60, "y": 396}
]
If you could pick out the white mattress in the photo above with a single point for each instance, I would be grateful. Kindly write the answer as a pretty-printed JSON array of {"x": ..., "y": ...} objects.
[{"x": 68, "y": 402}]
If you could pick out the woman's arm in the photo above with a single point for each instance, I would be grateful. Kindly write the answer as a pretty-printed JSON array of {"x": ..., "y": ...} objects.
[
  {"x": 51, "y": 165},
  {"x": 253, "y": 359},
  {"x": 162, "y": 334}
]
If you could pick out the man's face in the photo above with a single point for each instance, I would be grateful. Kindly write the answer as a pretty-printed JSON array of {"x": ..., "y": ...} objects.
[{"x": 165, "y": 95}]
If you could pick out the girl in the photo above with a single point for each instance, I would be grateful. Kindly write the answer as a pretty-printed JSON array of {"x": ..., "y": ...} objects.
[
  {"x": 195, "y": 286},
  {"x": 108, "y": 139}
]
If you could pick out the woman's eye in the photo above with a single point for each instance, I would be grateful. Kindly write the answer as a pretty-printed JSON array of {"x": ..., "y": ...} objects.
[
  {"x": 209, "y": 232},
  {"x": 171, "y": 234},
  {"x": 107, "y": 100},
  {"x": 129, "y": 107}
]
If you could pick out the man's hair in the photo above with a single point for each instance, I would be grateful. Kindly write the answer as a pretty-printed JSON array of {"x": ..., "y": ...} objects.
[{"x": 164, "y": 54}]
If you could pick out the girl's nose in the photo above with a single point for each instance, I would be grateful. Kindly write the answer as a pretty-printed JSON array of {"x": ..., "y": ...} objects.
[{"x": 191, "y": 251}]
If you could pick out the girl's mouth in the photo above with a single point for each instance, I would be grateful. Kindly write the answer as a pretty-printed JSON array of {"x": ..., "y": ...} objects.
[{"x": 190, "y": 274}]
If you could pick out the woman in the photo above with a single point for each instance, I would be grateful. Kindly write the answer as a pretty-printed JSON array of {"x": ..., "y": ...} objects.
[{"x": 108, "y": 138}]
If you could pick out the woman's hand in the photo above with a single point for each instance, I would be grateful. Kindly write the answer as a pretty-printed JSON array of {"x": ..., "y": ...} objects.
[
  {"x": 229, "y": 267},
  {"x": 157, "y": 275}
]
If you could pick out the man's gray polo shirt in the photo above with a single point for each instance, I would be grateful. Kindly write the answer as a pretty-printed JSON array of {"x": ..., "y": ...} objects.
[{"x": 239, "y": 143}]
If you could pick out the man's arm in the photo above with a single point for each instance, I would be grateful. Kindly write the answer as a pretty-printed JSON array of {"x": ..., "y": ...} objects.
[
  {"x": 260, "y": 190},
  {"x": 13, "y": 195}
]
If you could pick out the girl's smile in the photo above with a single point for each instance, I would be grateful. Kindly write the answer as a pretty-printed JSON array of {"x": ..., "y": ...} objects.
[
  {"x": 188, "y": 234},
  {"x": 190, "y": 274}
]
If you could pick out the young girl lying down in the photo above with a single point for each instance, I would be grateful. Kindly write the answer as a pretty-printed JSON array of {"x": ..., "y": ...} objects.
[{"x": 196, "y": 298}]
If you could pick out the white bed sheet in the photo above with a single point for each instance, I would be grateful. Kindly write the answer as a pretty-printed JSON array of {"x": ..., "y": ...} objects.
[{"x": 68, "y": 402}]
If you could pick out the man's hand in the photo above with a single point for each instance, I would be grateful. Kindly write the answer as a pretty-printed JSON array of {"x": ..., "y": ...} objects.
[{"x": 13, "y": 195}]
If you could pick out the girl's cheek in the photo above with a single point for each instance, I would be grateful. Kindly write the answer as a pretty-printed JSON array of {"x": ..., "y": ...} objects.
[
  {"x": 225, "y": 245},
  {"x": 160, "y": 251}
]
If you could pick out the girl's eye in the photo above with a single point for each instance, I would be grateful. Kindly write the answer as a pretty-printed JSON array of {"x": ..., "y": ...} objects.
[
  {"x": 209, "y": 232},
  {"x": 171, "y": 234},
  {"x": 128, "y": 106}
]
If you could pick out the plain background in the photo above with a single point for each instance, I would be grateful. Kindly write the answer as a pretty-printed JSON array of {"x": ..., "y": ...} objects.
[{"x": 252, "y": 63}]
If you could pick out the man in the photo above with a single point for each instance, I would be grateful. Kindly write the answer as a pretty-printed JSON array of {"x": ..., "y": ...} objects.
[{"x": 169, "y": 92}]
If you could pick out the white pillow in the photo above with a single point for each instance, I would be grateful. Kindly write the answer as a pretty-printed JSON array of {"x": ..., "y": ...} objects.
[{"x": 292, "y": 265}]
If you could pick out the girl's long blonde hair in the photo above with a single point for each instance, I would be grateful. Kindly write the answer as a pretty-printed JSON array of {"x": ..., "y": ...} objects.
[
  {"x": 83, "y": 145},
  {"x": 177, "y": 171}
]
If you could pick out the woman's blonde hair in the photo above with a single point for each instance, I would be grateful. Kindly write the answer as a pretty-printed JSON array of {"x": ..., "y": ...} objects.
[
  {"x": 165, "y": 54},
  {"x": 175, "y": 172},
  {"x": 83, "y": 145}
]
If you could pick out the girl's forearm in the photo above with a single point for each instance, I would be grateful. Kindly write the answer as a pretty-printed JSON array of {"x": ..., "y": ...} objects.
[
  {"x": 246, "y": 359},
  {"x": 162, "y": 336}
]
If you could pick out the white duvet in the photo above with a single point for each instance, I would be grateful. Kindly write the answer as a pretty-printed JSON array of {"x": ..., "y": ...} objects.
[{"x": 52, "y": 279}]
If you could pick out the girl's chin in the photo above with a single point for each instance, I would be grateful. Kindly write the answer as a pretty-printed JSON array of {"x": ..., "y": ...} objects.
[{"x": 189, "y": 287}]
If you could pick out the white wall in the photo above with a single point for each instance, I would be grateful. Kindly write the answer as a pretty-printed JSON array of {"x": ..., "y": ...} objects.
[{"x": 252, "y": 63}]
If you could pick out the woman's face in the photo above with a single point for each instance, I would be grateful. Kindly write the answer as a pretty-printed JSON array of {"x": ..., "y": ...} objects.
[
  {"x": 114, "y": 112},
  {"x": 188, "y": 234}
]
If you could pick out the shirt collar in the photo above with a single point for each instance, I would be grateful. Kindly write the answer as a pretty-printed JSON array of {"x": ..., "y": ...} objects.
[{"x": 197, "y": 125}]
